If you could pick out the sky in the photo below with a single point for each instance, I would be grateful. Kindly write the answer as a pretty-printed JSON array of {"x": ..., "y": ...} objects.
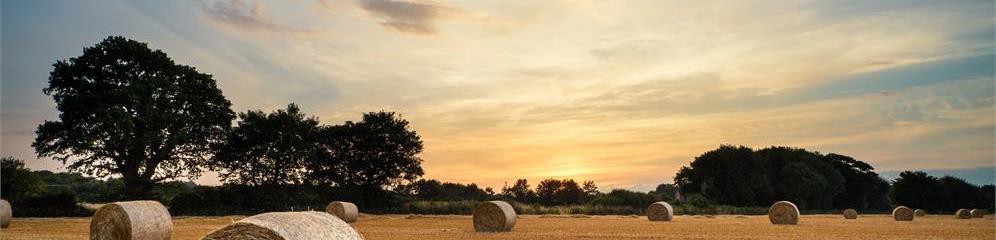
[{"x": 623, "y": 93}]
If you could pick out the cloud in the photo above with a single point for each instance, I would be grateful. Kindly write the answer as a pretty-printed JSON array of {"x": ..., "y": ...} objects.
[
  {"x": 249, "y": 17},
  {"x": 410, "y": 16}
]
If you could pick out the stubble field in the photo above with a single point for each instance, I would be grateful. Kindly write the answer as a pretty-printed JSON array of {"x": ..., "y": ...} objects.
[{"x": 397, "y": 227}]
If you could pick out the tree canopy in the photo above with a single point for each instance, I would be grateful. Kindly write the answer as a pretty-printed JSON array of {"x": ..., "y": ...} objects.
[
  {"x": 267, "y": 148},
  {"x": 286, "y": 147},
  {"x": 741, "y": 176},
  {"x": 380, "y": 150},
  {"x": 126, "y": 109}
]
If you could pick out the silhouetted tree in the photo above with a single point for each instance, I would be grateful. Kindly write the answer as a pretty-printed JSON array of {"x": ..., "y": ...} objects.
[
  {"x": 863, "y": 188},
  {"x": 569, "y": 192},
  {"x": 919, "y": 190},
  {"x": 520, "y": 191},
  {"x": 376, "y": 152},
  {"x": 126, "y": 109},
  {"x": 546, "y": 191},
  {"x": 728, "y": 175},
  {"x": 961, "y": 194},
  {"x": 267, "y": 148},
  {"x": 987, "y": 197},
  {"x": 590, "y": 190}
]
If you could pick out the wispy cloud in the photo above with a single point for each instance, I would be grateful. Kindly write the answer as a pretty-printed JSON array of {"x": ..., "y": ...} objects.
[
  {"x": 245, "y": 16},
  {"x": 414, "y": 17}
]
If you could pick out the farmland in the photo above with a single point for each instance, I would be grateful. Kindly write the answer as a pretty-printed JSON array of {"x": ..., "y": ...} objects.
[{"x": 424, "y": 227}]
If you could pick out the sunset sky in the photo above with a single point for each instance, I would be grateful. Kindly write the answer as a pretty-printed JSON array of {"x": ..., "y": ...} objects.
[{"x": 620, "y": 92}]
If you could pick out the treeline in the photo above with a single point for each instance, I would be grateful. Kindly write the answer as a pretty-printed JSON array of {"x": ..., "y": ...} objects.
[
  {"x": 741, "y": 176},
  {"x": 919, "y": 190}
]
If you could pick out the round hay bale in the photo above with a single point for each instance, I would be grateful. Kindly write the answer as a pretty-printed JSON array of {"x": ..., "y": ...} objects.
[
  {"x": 963, "y": 214},
  {"x": 978, "y": 213},
  {"x": 850, "y": 214},
  {"x": 131, "y": 220},
  {"x": 5, "y": 214},
  {"x": 920, "y": 213},
  {"x": 346, "y": 211},
  {"x": 660, "y": 211},
  {"x": 310, "y": 225},
  {"x": 783, "y": 212},
  {"x": 494, "y": 216},
  {"x": 902, "y": 213}
]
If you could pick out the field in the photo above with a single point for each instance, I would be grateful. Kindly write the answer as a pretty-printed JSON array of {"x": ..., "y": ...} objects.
[{"x": 397, "y": 227}]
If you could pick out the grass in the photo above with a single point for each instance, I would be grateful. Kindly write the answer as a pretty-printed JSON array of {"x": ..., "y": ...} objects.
[{"x": 425, "y": 227}]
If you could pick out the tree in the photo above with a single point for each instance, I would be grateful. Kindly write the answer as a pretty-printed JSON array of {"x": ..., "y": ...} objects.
[
  {"x": 434, "y": 190},
  {"x": 377, "y": 152},
  {"x": 919, "y": 190},
  {"x": 18, "y": 182},
  {"x": 590, "y": 190},
  {"x": 569, "y": 192},
  {"x": 267, "y": 148},
  {"x": 520, "y": 191},
  {"x": 987, "y": 197},
  {"x": 962, "y": 194},
  {"x": 667, "y": 191},
  {"x": 728, "y": 175},
  {"x": 863, "y": 187},
  {"x": 126, "y": 109},
  {"x": 546, "y": 191},
  {"x": 741, "y": 176},
  {"x": 622, "y": 197}
]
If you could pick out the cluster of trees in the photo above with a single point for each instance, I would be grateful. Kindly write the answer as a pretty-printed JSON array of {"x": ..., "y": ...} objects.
[
  {"x": 741, "y": 176},
  {"x": 130, "y": 111},
  {"x": 551, "y": 192},
  {"x": 286, "y": 148},
  {"x": 922, "y": 191}
]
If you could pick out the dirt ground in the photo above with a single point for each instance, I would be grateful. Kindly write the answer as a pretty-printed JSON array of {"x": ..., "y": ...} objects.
[{"x": 397, "y": 227}]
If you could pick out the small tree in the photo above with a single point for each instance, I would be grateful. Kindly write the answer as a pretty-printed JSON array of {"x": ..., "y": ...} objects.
[
  {"x": 267, "y": 149},
  {"x": 126, "y": 109},
  {"x": 590, "y": 190}
]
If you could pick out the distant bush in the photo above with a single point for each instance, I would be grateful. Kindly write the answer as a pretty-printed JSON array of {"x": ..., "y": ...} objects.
[
  {"x": 249, "y": 200},
  {"x": 49, "y": 204}
]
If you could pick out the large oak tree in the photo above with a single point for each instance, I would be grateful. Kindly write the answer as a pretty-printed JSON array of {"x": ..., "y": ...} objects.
[{"x": 126, "y": 109}]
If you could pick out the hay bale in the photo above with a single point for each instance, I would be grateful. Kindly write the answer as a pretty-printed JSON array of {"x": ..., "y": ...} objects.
[
  {"x": 494, "y": 216},
  {"x": 6, "y": 214},
  {"x": 920, "y": 213},
  {"x": 902, "y": 213},
  {"x": 963, "y": 214},
  {"x": 146, "y": 220},
  {"x": 783, "y": 212},
  {"x": 660, "y": 211},
  {"x": 310, "y": 225},
  {"x": 850, "y": 214},
  {"x": 346, "y": 211},
  {"x": 978, "y": 213}
]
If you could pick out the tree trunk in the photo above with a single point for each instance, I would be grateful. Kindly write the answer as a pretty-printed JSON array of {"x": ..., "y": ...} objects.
[{"x": 136, "y": 188}]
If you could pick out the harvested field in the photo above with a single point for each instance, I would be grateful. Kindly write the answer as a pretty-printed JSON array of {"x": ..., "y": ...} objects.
[{"x": 596, "y": 227}]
